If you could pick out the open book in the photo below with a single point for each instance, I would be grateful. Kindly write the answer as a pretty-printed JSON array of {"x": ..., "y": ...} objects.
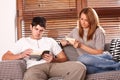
[
  {"x": 38, "y": 55},
  {"x": 71, "y": 40}
]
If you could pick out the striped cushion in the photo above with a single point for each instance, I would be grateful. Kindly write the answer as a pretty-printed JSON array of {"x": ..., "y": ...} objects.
[{"x": 115, "y": 49}]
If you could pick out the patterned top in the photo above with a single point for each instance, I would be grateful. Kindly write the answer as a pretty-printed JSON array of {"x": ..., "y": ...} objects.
[{"x": 97, "y": 42}]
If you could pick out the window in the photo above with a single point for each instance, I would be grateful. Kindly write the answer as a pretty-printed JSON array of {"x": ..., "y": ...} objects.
[
  {"x": 109, "y": 13},
  {"x": 61, "y": 16}
]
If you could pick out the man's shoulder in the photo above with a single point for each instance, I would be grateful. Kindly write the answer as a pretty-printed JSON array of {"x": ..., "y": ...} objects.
[
  {"x": 23, "y": 39},
  {"x": 47, "y": 38}
]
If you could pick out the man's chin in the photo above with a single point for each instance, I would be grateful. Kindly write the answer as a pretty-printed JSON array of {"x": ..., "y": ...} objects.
[{"x": 38, "y": 38}]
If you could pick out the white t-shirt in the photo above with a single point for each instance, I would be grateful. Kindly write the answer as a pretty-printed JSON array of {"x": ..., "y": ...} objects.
[{"x": 36, "y": 45}]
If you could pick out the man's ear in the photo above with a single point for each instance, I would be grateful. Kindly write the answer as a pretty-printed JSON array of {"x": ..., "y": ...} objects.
[{"x": 30, "y": 27}]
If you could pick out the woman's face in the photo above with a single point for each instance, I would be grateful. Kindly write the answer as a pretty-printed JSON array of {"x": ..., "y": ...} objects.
[{"x": 84, "y": 21}]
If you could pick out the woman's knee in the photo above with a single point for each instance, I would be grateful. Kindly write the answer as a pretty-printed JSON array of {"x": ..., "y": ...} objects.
[
  {"x": 86, "y": 59},
  {"x": 83, "y": 58}
]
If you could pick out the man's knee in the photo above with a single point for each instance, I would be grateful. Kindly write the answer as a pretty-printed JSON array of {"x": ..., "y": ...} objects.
[
  {"x": 27, "y": 75},
  {"x": 77, "y": 72},
  {"x": 78, "y": 66}
]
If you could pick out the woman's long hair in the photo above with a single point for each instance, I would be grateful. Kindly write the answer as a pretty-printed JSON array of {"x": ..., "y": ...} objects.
[{"x": 93, "y": 21}]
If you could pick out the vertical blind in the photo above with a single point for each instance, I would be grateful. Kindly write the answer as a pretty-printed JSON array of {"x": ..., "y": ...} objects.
[
  {"x": 61, "y": 16},
  {"x": 111, "y": 20}
]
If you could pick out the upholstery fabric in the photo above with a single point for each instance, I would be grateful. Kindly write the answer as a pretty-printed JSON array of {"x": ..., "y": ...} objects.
[
  {"x": 109, "y": 75},
  {"x": 71, "y": 53},
  {"x": 12, "y": 69}
]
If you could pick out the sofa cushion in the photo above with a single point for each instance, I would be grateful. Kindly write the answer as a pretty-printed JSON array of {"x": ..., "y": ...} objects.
[
  {"x": 108, "y": 75},
  {"x": 115, "y": 49},
  {"x": 107, "y": 47},
  {"x": 12, "y": 69},
  {"x": 71, "y": 53}
]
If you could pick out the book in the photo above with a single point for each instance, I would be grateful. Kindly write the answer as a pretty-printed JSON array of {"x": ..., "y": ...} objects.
[
  {"x": 38, "y": 55},
  {"x": 71, "y": 40}
]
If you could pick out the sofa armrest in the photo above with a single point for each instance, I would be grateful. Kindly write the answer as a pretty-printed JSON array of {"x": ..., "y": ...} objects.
[
  {"x": 107, "y": 47},
  {"x": 70, "y": 52},
  {"x": 12, "y": 69}
]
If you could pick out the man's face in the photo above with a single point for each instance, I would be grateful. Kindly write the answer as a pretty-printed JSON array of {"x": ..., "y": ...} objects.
[{"x": 37, "y": 31}]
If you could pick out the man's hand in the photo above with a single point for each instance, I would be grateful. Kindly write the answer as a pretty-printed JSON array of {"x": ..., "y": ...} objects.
[
  {"x": 26, "y": 53},
  {"x": 48, "y": 57}
]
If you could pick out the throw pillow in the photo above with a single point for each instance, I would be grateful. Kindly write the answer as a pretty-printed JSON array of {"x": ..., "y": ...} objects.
[{"x": 115, "y": 49}]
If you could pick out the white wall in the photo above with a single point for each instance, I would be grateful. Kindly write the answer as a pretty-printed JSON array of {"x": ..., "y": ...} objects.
[{"x": 7, "y": 24}]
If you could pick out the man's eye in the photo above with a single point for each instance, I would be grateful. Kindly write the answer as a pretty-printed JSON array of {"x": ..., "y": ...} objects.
[
  {"x": 36, "y": 29},
  {"x": 41, "y": 30}
]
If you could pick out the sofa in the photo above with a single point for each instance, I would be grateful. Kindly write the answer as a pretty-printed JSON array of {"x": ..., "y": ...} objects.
[{"x": 14, "y": 69}]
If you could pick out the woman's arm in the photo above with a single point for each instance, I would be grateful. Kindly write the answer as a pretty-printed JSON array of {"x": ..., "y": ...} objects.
[{"x": 77, "y": 44}]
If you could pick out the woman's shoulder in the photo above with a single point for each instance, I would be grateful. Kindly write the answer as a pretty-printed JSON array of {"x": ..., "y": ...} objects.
[
  {"x": 75, "y": 29},
  {"x": 48, "y": 38},
  {"x": 100, "y": 30}
]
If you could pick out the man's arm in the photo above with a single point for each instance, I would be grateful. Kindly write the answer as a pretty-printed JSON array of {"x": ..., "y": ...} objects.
[
  {"x": 58, "y": 58},
  {"x": 10, "y": 56},
  {"x": 61, "y": 57}
]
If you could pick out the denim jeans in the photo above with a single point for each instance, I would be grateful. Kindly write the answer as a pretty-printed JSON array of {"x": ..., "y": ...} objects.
[{"x": 99, "y": 63}]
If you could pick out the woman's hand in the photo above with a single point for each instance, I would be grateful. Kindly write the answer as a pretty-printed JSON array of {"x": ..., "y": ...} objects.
[
  {"x": 64, "y": 42},
  {"x": 76, "y": 44}
]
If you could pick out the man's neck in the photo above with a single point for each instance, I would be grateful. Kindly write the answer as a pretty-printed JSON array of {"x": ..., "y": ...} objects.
[{"x": 35, "y": 38}]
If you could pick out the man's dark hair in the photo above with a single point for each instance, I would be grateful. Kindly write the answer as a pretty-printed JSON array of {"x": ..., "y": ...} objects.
[{"x": 39, "y": 21}]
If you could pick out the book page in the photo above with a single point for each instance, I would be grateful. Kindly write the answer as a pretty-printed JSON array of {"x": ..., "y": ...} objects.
[
  {"x": 36, "y": 53},
  {"x": 71, "y": 40}
]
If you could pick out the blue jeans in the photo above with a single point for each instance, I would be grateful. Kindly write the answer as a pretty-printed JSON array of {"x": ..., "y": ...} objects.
[{"x": 99, "y": 63}]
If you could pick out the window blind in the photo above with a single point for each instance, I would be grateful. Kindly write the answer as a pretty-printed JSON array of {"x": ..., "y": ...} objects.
[
  {"x": 109, "y": 13},
  {"x": 61, "y": 16},
  {"x": 103, "y": 3}
]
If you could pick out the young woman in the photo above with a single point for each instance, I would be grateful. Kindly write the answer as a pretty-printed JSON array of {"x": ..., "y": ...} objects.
[
  {"x": 91, "y": 42},
  {"x": 89, "y": 36}
]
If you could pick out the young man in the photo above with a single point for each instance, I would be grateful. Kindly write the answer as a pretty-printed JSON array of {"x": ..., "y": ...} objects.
[{"x": 44, "y": 68}]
